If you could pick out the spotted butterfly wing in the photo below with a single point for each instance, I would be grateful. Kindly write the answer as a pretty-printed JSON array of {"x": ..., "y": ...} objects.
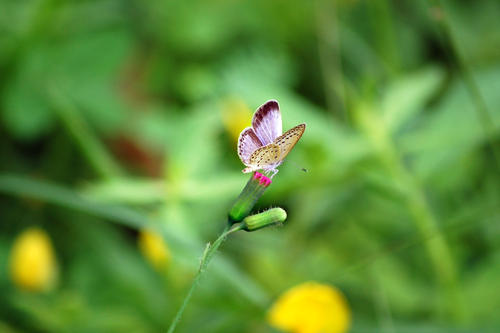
[
  {"x": 264, "y": 158},
  {"x": 288, "y": 140}
]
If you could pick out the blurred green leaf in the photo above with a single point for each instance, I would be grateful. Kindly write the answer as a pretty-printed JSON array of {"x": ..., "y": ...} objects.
[
  {"x": 452, "y": 130},
  {"x": 25, "y": 110},
  {"x": 128, "y": 191},
  {"x": 71, "y": 64},
  {"x": 405, "y": 97},
  {"x": 188, "y": 248}
]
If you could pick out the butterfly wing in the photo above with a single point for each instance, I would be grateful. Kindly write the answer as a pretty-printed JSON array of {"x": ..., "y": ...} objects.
[
  {"x": 288, "y": 140},
  {"x": 248, "y": 142},
  {"x": 266, "y": 122},
  {"x": 263, "y": 158}
]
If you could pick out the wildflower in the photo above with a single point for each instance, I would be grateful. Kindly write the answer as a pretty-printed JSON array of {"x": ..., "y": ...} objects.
[
  {"x": 260, "y": 147},
  {"x": 32, "y": 261},
  {"x": 311, "y": 307},
  {"x": 154, "y": 249},
  {"x": 236, "y": 116},
  {"x": 254, "y": 189},
  {"x": 270, "y": 217}
]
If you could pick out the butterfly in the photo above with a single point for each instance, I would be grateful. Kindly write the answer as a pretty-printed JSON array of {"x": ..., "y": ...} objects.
[{"x": 263, "y": 146}]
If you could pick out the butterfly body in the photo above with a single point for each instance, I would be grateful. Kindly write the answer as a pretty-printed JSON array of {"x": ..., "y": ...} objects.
[{"x": 263, "y": 146}]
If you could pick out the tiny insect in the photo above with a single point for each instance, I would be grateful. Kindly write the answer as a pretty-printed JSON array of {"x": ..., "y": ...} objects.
[{"x": 262, "y": 145}]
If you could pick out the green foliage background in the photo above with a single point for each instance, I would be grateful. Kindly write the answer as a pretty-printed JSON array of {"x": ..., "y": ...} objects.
[{"x": 110, "y": 120}]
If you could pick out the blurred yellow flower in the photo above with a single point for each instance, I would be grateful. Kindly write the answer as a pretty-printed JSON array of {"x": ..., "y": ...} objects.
[
  {"x": 236, "y": 115},
  {"x": 154, "y": 249},
  {"x": 32, "y": 262},
  {"x": 311, "y": 307}
]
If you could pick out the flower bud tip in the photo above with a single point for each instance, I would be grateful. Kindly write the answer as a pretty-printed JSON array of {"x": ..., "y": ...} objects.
[
  {"x": 267, "y": 218},
  {"x": 263, "y": 180}
]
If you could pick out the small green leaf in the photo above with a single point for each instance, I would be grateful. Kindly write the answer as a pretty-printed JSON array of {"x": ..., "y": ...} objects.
[{"x": 407, "y": 96}]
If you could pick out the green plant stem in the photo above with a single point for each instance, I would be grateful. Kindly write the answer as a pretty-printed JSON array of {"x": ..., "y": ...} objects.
[
  {"x": 416, "y": 203},
  {"x": 208, "y": 254},
  {"x": 380, "y": 298},
  {"x": 427, "y": 225},
  {"x": 93, "y": 150},
  {"x": 385, "y": 41},
  {"x": 329, "y": 56},
  {"x": 471, "y": 85}
]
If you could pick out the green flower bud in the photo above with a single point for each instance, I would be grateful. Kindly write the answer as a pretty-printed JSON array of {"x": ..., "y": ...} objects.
[
  {"x": 269, "y": 217},
  {"x": 254, "y": 189}
]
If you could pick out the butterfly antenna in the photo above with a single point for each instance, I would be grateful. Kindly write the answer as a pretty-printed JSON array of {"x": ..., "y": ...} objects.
[{"x": 298, "y": 166}]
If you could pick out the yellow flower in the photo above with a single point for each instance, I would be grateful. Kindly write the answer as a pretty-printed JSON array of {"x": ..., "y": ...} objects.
[
  {"x": 154, "y": 249},
  {"x": 236, "y": 115},
  {"x": 311, "y": 307},
  {"x": 32, "y": 262}
]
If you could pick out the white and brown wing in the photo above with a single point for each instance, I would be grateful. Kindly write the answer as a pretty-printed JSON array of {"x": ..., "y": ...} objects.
[
  {"x": 248, "y": 142},
  {"x": 266, "y": 122}
]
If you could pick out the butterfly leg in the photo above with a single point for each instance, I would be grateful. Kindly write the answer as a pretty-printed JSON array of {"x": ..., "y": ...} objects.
[{"x": 274, "y": 171}]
